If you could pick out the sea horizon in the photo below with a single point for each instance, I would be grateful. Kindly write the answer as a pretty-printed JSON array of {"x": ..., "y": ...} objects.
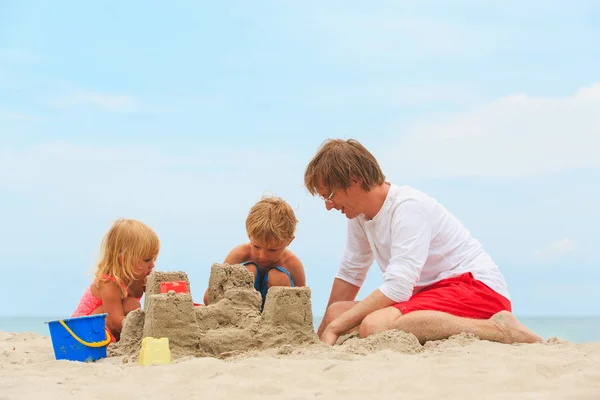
[{"x": 576, "y": 329}]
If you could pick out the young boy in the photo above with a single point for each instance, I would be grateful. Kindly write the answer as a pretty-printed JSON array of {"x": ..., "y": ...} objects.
[{"x": 271, "y": 224}]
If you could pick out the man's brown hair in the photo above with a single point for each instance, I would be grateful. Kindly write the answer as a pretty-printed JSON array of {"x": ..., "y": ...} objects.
[
  {"x": 338, "y": 162},
  {"x": 272, "y": 221}
]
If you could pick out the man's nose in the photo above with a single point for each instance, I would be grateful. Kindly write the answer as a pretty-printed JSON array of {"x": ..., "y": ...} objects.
[{"x": 328, "y": 205}]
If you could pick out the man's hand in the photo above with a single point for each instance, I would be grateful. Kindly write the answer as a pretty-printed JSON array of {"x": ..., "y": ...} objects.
[
  {"x": 354, "y": 316},
  {"x": 329, "y": 336},
  {"x": 321, "y": 329}
]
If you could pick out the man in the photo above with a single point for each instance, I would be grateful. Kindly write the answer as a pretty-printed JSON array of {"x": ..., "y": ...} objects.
[{"x": 438, "y": 280}]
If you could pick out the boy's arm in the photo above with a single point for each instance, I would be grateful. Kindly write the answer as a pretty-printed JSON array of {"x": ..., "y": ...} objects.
[{"x": 296, "y": 269}]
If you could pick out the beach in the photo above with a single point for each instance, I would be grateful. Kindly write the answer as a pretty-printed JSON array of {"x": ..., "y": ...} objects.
[
  {"x": 233, "y": 348},
  {"x": 388, "y": 366}
]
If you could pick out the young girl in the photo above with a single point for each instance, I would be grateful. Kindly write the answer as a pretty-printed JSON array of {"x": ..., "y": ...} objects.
[{"x": 128, "y": 253}]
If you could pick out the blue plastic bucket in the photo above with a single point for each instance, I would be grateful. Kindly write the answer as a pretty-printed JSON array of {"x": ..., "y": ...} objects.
[{"x": 86, "y": 341}]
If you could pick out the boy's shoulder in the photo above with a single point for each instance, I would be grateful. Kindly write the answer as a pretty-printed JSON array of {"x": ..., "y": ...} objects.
[
  {"x": 289, "y": 259},
  {"x": 238, "y": 254},
  {"x": 244, "y": 247}
]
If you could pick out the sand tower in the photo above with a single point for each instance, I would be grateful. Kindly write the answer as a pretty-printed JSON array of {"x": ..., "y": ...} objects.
[{"x": 232, "y": 323}]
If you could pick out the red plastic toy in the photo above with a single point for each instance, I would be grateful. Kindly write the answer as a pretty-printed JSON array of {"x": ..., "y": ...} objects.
[{"x": 177, "y": 287}]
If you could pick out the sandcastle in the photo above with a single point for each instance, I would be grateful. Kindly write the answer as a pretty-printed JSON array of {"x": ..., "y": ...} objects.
[{"x": 232, "y": 323}]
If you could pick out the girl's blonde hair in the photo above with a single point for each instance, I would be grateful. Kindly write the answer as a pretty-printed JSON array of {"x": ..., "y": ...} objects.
[{"x": 126, "y": 244}]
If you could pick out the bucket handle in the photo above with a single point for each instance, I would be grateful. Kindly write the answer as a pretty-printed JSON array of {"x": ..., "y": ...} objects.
[{"x": 83, "y": 342}]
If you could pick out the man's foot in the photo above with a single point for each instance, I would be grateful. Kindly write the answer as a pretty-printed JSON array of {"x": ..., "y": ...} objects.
[{"x": 512, "y": 331}]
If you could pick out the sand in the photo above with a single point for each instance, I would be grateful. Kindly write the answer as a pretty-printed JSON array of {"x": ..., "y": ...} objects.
[
  {"x": 390, "y": 365},
  {"x": 230, "y": 349}
]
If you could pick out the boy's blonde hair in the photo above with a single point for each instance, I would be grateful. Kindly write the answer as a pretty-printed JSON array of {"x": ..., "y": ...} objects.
[
  {"x": 272, "y": 221},
  {"x": 338, "y": 162},
  {"x": 127, "y": 243}
]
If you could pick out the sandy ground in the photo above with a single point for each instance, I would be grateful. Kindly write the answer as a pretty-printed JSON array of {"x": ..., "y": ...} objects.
[{"x": 389, "y": 365}]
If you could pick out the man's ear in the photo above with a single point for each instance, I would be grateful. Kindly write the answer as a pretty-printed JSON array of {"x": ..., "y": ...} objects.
[{"x": 356, "y": 180}]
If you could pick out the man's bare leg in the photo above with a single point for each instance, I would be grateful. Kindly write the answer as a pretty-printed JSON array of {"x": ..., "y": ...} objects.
[{"x": 427, "y": 325}]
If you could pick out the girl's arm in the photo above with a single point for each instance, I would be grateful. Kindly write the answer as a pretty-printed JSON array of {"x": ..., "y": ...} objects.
[
  {"x": 137, "y": 288},
  {"x": 112, "y": 302}
]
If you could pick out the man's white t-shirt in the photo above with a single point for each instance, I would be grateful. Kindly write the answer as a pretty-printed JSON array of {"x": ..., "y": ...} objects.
[{"x": 416, "y": 243}]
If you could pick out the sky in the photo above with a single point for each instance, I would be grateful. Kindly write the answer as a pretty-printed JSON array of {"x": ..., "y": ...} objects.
[{"x": 184, "y": 115}]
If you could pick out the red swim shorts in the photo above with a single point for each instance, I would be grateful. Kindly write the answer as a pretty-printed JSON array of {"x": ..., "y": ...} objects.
[{"x": 463, "y": 296}]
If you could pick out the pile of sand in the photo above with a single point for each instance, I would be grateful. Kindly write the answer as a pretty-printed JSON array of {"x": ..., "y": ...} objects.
[{"x": 231, "y": 324}]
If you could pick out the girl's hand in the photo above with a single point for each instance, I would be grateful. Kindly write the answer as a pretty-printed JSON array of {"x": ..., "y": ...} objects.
[{"x": 137, "y": 288}]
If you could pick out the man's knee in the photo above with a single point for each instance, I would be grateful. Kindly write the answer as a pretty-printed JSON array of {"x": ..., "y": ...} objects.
[
  {"x": 339, "y": 307},
  {"x": 336, "y": 309},
  {"x": 278, "y": 278},
  {"x": 379, "y": 321}
]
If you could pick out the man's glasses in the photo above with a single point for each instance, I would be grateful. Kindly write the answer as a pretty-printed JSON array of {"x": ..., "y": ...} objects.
[{"x": 328, "y": 198}]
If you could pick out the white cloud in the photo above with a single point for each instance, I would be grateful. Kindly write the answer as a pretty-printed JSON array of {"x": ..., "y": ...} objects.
[
  {"x": 114, "y": 102},
  {"x": 555, "y": 249},
  {"x": 514, "y": 136}
]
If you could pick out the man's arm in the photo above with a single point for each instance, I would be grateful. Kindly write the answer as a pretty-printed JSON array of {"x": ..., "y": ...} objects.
[
  {"x": 356, "y": 261},
  {"x": 410, "y": 244}
]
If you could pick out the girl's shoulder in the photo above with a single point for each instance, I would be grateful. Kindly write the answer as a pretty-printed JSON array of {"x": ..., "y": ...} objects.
[
  {"x": 104, "y": 284},
  {"x": 103, "y": 280}
]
